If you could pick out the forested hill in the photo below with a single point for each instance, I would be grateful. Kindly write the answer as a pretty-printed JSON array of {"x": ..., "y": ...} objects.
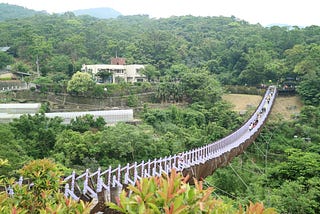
[
  {"x": 187, "y": 57},
  {"x": 8, "y": 11},
  {"x": 233, "y": 50}
]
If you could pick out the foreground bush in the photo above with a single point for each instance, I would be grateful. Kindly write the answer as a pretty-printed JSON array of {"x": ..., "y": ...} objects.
[
  {"x": 172, "y": 195},
  {"x": 41, "y": 195}
]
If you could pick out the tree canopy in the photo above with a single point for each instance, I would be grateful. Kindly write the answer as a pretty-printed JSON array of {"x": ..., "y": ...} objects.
[
  {"x": 188, "y": 59},
  {"x": 80, "y": 83}
]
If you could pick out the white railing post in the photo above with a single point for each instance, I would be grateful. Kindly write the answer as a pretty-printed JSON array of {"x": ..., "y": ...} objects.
[
  {"x": 154, "y": 173},
  {"x": 119, "y": 174},
  {"x": 20, "y": 181},
  {"x": 126, "y": 175},
  {"x": 85, "y": 184},
  {"x": 160, "y": 166},
  {"x": 66, "y": 190},
  {"x": 135, "y": 173},
  {"x": 99, "y": 181},
  {"x": 174, "y": 162},
  {"x": 73, "y": 181},
  {"x": 109, "y": 176},
  {"x": 142, "y": 170},
  {"x": 148, "y": 169}
]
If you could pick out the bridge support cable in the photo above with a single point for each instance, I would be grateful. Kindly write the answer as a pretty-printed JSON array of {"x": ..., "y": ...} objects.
[
  {"x": 261, "y": 171},
  {"x": 258, "y": 148},
  {"x": 238, "y": 176},
  {"x": 221, "y": 190},
  {"x": 267, "y": 141},
  {"x": 247, "y": 170}
]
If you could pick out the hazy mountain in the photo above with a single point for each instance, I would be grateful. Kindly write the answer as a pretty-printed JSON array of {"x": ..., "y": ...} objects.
[
  {"x": 102, "y": 12},
  {"x": 283, "y": 25},
  {"x": 8, "y": 11}
]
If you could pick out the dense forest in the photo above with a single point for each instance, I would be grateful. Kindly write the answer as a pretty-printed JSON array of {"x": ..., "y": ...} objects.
[
  {"x": 9, "y": 11},
  {"x": 232, "y": 50},
  {"x": 189, "y": 59}
]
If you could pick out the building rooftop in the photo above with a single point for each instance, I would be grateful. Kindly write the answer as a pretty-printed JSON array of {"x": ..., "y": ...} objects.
[{"x": 4, "y": 49}]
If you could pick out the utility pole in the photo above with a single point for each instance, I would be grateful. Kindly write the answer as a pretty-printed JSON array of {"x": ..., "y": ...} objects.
[
  {"x": 38, "y": 69},
  {"x": 266, "y": 156}
]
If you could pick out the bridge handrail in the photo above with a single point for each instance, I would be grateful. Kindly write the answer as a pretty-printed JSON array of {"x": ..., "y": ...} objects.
[{"x": 130, "y": 173}]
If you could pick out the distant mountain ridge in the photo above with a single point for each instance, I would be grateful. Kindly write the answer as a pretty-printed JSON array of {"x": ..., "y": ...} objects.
[
  {"x": 101, "y": 12},
  {"x": 8, "y": 11}
]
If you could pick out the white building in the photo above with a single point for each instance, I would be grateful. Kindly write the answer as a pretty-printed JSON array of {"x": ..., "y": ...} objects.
[
  {"x": 129, "y": 73},
  {"x": 11, "y": 111},
  {"x": 20, "y": 108}
]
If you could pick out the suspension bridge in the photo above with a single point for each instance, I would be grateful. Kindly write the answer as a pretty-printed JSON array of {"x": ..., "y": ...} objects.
[{"x": 105, "y": 185}]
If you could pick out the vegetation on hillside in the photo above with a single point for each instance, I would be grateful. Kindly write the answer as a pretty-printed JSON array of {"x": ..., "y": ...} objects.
[
  {"x": 189, "y": 59},
  {"x": 9, "y": 11},
  {"x": 232, "y": 50}
]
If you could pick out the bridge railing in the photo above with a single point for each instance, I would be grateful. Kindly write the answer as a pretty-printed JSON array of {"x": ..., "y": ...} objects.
[{"x": 130, "y": 173}]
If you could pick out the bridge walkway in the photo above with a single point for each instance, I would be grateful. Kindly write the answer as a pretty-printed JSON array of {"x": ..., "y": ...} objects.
[{"x": 102, "y": 186}]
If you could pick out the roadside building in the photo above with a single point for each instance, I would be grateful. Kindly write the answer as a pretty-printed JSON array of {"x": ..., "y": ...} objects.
[
  {"x": 115, "y": 72},
  {"x": 4, "y": 49}
]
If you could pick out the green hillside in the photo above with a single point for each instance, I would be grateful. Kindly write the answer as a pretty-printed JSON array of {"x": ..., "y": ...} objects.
[
  {"x": 8, "y": 11},
  {"x": 190, "y": 63}
]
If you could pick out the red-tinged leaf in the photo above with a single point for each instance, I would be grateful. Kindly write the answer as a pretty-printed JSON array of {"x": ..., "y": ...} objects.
[
  {"x": 240, "y": 211},
  {"x": 134, "y": 189},
  {"x": 181, "y": 190},
  {"x": 166, "y": 209},
  {"x": 186, "y": 179},
  {"x": 13, "y": 210},
  {"x": 118, "y": 202},
  {"x": 67, "y": 202},
  {"x": 257, "y": 208},
  {"x": 149, "y": 195},
  {"x": 171, "y": 208},
  {"x": 138, "y": 185},
  {"x": 162, "y": 194},
  {"x": 207, "y": 194},
  {"x": 138, "y": 199},
  {"x": 196, "y": 184},
  {"x": 201, "y": 206}
]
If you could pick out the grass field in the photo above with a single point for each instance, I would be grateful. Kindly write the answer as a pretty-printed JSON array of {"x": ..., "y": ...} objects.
[{"x": 285, "y": 108}]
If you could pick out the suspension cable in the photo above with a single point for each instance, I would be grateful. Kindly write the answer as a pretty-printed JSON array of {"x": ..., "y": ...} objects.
[
  {"x": 247, "y": 170},
  {"x": 253, "y": 163},
  {"x": 225, "y": 192},
  {"x": 259, "y": 149},
  {"x": 238, "y": 176}
]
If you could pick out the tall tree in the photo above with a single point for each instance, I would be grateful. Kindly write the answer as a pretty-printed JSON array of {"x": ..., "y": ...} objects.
[
  {"x": 80, "y": 83},
  {"x": 5, "y": 59}
]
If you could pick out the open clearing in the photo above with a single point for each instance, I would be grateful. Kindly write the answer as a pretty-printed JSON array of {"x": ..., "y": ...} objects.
[{"x": 285, "y": 108}]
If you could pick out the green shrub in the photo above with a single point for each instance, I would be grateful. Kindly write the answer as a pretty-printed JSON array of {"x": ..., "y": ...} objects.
[
  {"x": 40, "y": 196},
  {"x": 5, "y": 78},
  {"x": 132, "y": 100},
  {"x": 172, "y": 194}
]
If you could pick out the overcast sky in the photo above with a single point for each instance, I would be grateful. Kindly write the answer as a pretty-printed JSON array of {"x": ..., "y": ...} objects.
[{"x": 265, "y": 12}]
